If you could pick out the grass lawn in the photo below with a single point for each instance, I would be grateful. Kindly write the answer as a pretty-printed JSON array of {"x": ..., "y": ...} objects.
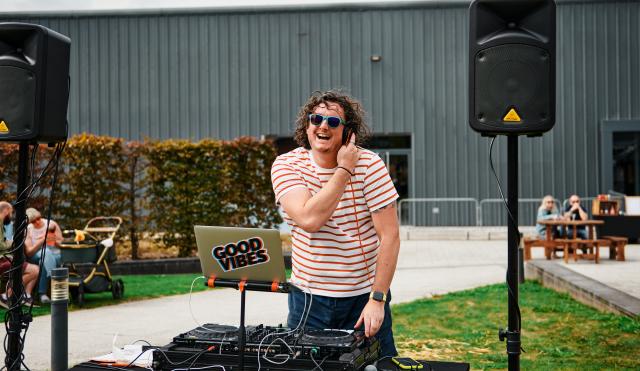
[
  {"x": 558, "y": 332},
  {"x": 136, "y": 287}
]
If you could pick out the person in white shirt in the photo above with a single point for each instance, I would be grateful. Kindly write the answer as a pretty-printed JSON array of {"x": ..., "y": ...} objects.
[
  {"x": 340, "y": 202},
  {"x": 29, "y": 271},
  {"x": 39, "y": 239}
]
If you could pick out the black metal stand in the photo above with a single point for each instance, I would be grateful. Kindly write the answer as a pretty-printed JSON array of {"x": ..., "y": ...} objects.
[
  {"x": 243, "y": 286},
  {"x": 16, "y": 317},
  {"x": 512, "y": 333}
]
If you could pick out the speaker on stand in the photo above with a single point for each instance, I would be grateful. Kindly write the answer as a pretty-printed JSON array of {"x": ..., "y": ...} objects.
[
  {"x": 34, "y": 94},
  {"x": 512, "y": 46},
  {"x": 34, "y": 83},
  {"x": 512, "y": 66}
]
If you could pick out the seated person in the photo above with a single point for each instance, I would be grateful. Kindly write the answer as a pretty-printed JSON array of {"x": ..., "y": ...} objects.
[
  {"x": 38, "y": 239},
  {"x": 29, "y": 271},
  {"x": 574, "y": 211},
  {"x": 548, "y": 211}
]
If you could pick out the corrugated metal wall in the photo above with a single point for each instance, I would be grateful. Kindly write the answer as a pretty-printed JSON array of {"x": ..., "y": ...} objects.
[{"x": 223, "y": 75}]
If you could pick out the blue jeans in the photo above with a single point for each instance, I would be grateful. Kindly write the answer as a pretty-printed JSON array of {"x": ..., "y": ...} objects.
[
  {"x": 51, "y": 260},
  {"x": 339, "y": 313},
  {"x": 581, "y": 233}
]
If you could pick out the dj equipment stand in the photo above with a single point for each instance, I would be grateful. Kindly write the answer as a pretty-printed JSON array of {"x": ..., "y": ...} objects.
[
  {"x": 17, "y": 319},
  {"x": 512, "y": 333},
  {"x": 244, "y": 285}
]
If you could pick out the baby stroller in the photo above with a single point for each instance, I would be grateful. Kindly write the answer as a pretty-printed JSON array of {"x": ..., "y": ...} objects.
[{"x": 87, "y": 253}]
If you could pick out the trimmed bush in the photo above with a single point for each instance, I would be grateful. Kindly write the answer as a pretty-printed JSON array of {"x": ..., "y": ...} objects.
[
  {"x": 209, "y": 182},
  {"x": 94, "y": 180},
  {"x": 165, "y": 186},
  {"x": 9, "y": 156}
]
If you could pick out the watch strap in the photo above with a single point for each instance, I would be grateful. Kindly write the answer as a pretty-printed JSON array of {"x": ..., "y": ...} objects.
[{"x": 378, "y": 296}]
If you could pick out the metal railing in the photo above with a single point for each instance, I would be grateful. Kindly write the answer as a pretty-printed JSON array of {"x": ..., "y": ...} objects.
[
  {"x": 467, "y": 211},
  {"x": 462, "y": 210},
  {"x": 493, "y": 211}
]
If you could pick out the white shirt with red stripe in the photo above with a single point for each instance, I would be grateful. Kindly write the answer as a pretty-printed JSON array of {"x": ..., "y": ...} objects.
[{"x": 340, "y": 259}]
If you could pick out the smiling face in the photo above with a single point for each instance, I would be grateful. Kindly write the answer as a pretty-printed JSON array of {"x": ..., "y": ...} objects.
[{"x": 324, "y": 138}]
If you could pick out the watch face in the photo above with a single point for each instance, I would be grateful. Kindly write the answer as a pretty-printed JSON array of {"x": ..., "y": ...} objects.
[{"x": 378, "y": 296}]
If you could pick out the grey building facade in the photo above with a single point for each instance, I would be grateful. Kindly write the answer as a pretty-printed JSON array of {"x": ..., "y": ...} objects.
[{"x": 227, "y": 73}]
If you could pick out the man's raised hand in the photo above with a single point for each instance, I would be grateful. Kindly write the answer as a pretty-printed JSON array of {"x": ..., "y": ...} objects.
[{"x": 349, "y": 154}]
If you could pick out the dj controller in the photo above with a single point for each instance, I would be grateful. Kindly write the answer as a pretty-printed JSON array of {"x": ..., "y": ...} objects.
[{"x": 268, "y": 348}]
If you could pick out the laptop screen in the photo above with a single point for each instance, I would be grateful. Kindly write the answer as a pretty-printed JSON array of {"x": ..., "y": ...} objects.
[{"x": 240, "y": 253}]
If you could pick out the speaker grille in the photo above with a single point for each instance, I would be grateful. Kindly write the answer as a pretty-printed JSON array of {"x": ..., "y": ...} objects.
[
  {"x": 17, "y": 100},
  {"x": 512, "y": 76}
]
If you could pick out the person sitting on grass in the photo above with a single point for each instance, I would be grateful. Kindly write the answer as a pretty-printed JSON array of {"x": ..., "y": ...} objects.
[
  {"x": 38, "y": 240},
  {"x": 29, "y": 271}
]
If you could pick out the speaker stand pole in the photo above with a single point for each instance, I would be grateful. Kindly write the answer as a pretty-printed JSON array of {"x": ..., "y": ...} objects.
[
  {"x": 512, "y": 333},
  {"x": 16, "y": 318}
]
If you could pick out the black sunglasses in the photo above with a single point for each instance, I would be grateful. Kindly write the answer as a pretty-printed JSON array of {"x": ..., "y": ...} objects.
[{"x": 332, "y": 121}]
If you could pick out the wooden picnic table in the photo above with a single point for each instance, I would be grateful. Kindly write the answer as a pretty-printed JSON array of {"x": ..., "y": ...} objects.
[{"x": 573, "y": 241}]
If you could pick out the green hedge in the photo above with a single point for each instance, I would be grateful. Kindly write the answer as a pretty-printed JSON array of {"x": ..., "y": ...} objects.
[
  {"x": 9, "y": 174},
  {"x": 93, "y": 179},
  {"x": 165, "y": 187}
]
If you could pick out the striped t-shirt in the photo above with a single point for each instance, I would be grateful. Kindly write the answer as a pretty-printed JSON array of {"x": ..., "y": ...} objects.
[{"x": 340, "y": 259}]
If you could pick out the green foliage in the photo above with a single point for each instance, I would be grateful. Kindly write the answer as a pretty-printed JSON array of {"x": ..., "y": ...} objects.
[
  {"x": 94, "y": 180},
  {"x": 209, "y": 182},
  {"x": 558, "y": 333},
  {"x": 176, "y": 183},
  {"x": 248, "y": 164},
  {"x": 9, "y": 156},
  {"x": 137, "y": 287},
  {"x": 135, "y": 189}
]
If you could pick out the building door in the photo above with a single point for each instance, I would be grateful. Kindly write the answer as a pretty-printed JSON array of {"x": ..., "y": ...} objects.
[
  {"x": 393, "y": 149},
  {"x": 397, "y": 162},
  {"x": 620, "y": 165}
]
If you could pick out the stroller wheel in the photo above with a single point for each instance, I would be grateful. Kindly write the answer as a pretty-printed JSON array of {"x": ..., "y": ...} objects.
[
  {"x": 117, "y": 289},
  {"x": 78, "y": 295}
]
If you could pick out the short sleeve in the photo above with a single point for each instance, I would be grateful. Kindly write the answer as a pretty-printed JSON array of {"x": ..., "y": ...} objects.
[
  {"x": 284, "y": 178},
  {"x": 378, "y": 190}
]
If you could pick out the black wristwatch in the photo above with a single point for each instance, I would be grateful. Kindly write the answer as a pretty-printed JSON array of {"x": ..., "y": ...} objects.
[{"x": 378, "y": 296}]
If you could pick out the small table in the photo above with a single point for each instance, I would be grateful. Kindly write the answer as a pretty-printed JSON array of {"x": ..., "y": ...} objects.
[{"x": 572, "y": 241}]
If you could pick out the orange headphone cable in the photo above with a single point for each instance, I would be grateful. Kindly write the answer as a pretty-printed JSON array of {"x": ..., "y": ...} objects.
[{"x": 355, "y": 210}]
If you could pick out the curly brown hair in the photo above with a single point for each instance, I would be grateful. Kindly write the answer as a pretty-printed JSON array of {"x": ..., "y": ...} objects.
[{"x": 354, "y": 115}]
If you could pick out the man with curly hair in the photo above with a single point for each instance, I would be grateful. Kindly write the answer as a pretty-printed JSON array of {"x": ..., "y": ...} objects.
[{"x": 340, "y": 202}]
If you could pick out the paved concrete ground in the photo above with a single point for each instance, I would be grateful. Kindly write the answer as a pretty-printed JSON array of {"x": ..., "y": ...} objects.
[
  {"x": 425, "y": 268},
  {"x": 624, "y": 276}
]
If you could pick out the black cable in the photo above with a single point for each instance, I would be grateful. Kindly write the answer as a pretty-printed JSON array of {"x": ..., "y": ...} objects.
[
  {"x": 27, "y": 317},
  {"x": 54, "y": 180},
  {"x": 513, "y": 221},
  {"x": 193, "y": 362}
]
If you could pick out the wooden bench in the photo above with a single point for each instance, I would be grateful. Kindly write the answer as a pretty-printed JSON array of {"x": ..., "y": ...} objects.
[
  {"x": 616, "y": 246},
  {"x": 530, "y": 242},
  {"x": 581, "y": 249},
  {"x": 549, "y": 246}
]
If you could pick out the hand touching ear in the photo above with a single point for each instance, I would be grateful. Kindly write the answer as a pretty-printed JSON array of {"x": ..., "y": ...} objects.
[{"x": 349, "y": 154}]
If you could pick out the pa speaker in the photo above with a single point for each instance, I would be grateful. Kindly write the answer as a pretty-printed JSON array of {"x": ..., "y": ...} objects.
[
  {"x": 512, "y": 54},
  {"x": 34, "y": 83}
]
